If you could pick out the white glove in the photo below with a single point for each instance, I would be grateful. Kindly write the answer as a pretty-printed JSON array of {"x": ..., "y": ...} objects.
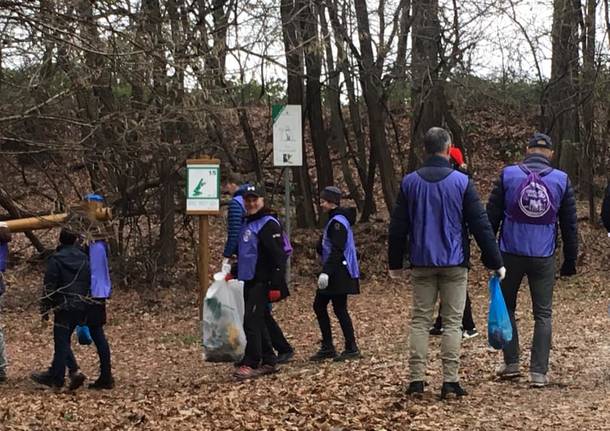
[
  {"x": 226, "y": 266},
  {"x": 501, "y": 273},
  {"x": 323, "y": 281},
  {"x": 396, "y": 274}
]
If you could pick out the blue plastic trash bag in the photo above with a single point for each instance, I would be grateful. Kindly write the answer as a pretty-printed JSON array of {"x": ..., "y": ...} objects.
[
  {"x": 499, "y": 328},
  {"x": 83, "y": 334}
]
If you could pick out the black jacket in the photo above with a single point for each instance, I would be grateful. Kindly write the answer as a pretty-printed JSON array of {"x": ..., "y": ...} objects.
[
  {"x": 340, "y": 281},
  {"x": 67, "y": 280},
  {"x": 566, "y": 214},
  {"x": 271, "y": 261},
  {"x": 606, "y": 208},
  {"x": 475, "y": 221}
]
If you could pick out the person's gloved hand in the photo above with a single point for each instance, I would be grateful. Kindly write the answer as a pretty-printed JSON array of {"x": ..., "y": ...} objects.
[
  {"x": 396, "y": 274},
  {"x": 323, "y": 281},
  {"x": 274, "y": 295},
  {"x": 568, "y": 268},
  {"x": 226, "y": 266},
  {"x": 500, "y": 273}
]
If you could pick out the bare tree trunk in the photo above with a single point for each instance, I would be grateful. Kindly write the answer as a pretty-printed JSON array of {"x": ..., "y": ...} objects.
[
  {"x": 313, "y": 97},
  {"x": 370, "y": 77},
  {"x": 306, "y": 216},
  {"x": 337, "y": 130},
  {"x": 588, "y": 110}
]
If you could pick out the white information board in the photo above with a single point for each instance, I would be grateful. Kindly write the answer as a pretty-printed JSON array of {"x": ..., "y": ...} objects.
[
  {"x": 287, "y": 135},
  {"x": 202, "y": 187}
]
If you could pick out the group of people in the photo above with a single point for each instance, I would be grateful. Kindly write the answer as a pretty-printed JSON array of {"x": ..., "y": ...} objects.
[
  {"x": 437, "y": 210},
  {"x": 75, "y": 288}
]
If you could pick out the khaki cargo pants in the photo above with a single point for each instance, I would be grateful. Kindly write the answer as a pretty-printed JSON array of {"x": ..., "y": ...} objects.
[{"x": 428, "y": 283}]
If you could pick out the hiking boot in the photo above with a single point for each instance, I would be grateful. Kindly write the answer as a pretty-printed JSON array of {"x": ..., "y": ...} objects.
[
  {"x": 436, "y": 331},
  {"x": 245, "y": 372},
  {"x": 415, "y": 388},
  {"x": 324, "y": 353},
  {"x": 348, "y": 354},
  {"x": 102, "y": 383},
  {"x": 508, "y": 371},
  {"x": 538, "y": 380},
  {"x": 283, "y": 358},
  {"x": 452, "y": 388},
  {"x": 469, "y": 333},
  {"x": 45, "y": 378},
  {"x": 76, "y": 380},
  {"x": 267, "y": 369}
]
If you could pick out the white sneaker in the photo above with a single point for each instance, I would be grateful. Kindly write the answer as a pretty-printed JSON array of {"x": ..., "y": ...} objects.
[{"x": 470, "y": 333}]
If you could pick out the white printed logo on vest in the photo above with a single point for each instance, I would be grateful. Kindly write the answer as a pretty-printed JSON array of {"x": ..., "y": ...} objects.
[{"x": 534, "y": 200}]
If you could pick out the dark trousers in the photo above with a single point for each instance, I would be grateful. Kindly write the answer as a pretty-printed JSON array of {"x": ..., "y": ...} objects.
[
  {"x": 320, "y": 305},
  {"x": 540, "y": 272},
  {"x": 103, "y": 350},
  {"x": 467, "y": 320},
  {"x": 258, "y": 342},
  {"x": 64, "y": 323},
  {"x": 278, "y": 340}
]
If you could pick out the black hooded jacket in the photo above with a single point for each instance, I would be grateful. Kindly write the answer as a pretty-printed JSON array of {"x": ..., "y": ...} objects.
[
  {"x": 340, "y": 281},
  {"x": 67, "y": 280}
]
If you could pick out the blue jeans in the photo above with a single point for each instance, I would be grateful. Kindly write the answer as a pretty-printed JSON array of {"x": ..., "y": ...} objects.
[
  {"x": 64, "y": 324},
  {"x": 103, "y": 350}
]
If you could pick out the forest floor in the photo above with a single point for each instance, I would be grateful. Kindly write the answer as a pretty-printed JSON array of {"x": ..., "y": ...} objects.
[{"x": 163, "y": 383}]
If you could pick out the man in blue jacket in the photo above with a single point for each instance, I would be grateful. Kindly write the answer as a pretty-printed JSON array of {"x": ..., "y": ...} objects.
[
  {"x": 526, "y": 204},
  {"x": 236, "y": 217},
  {"x": 436, "y": 209}
]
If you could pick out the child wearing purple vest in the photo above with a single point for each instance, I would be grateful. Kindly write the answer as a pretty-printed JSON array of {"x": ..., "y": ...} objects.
[{"x": 339, "y": 278}]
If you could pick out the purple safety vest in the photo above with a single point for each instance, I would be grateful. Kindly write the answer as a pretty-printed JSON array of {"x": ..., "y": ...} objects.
[
  {"x": 3, "y": 256},
  {"x": 435, "y": 213},
  {"x": 351, "y": 258},
  {"x": 101, "y": 287},
  {"x": 247, "y": 250},
  {"x": 533, "y": 232}
]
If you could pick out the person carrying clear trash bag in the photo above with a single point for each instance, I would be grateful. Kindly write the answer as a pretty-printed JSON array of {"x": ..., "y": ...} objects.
[{"x": 224, "y": 339}]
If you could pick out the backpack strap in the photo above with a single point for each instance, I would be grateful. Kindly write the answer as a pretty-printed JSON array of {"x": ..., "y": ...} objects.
[{"x": 542, "y": 173}]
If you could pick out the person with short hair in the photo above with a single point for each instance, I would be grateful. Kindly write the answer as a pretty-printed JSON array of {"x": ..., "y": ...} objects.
[
  {"x": 339, "y": 278},
  {"x": 436, "y": 209},
  {"x": 5, "y": 238},
  {"x": 261, "y": 265},
  {"x": 66, "y": 287},
  {"x": 527, "y": 203}
]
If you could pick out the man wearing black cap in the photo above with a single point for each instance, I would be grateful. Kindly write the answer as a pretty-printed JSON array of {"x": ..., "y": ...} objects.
[
  {"x": 528, "y": 201},
  {"x": 339, "y": 278}
]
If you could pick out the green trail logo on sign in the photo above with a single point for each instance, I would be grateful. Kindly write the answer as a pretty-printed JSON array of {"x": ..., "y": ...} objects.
[{"x": 198, "y": 187}]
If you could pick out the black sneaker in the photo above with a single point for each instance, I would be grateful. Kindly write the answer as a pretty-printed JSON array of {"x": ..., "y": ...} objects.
[
  {"x": 283, "y": 358},
  {"x": 436, "y": 331},
  {"x": 324, "y": 353},
  {"x": 76, "y": 380},
  {"x": 45, "y": 378},
  {"x": 415, "y": 388},
  {"x": 348, "y": 354},
  {"x": 452, "y": 388},
  {"x": 102, "y": 383}
]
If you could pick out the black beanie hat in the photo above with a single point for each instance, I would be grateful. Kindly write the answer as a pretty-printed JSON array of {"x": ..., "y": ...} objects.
[{"x": 331, "y": 194}]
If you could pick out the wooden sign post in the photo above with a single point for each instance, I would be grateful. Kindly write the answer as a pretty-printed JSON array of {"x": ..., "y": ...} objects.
[{"x": 203, "y": 200}]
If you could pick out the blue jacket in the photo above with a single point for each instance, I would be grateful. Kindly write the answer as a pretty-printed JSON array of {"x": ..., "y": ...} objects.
[
  {"x": 235, "y": 221},
  {"x": 534, "y": 240},
  {"x": 606, "y": 209},
  {"x": 434, "y": 213}
]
